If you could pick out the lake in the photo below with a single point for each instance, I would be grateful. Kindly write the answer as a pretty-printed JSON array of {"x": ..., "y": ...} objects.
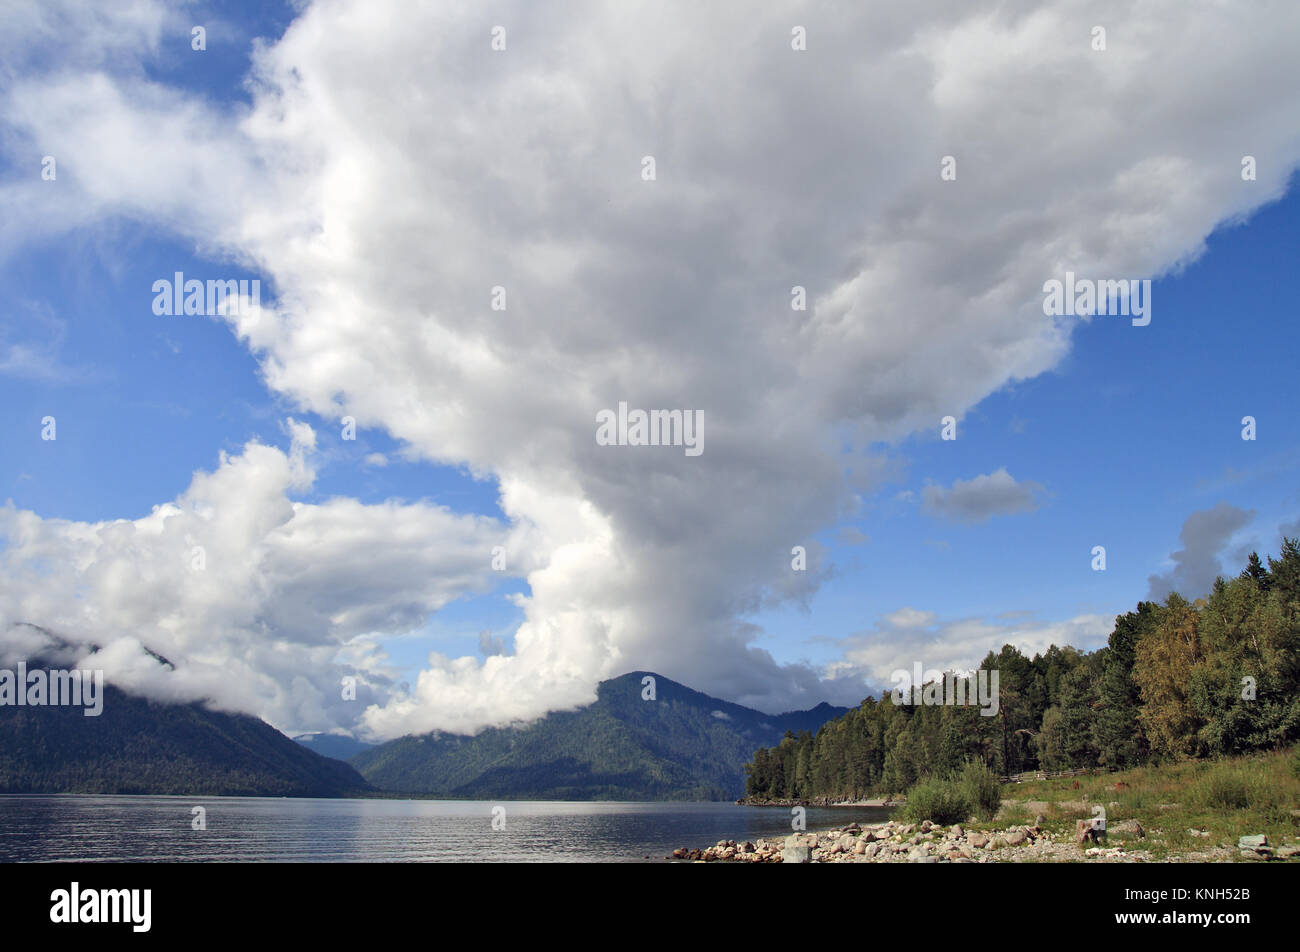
[{"x": 267, "y": 829}]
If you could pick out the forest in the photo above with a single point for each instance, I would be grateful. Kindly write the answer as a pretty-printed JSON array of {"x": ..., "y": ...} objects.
[{"x": 1176, "y": 680}]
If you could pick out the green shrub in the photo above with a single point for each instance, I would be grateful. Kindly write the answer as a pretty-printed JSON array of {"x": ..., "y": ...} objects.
[
  {"x": 939, "y": 801},
  {"x": 979, "y": 786}
]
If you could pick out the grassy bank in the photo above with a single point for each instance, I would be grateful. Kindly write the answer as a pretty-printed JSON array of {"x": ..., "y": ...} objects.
[{"x": 1182, "y": 807}]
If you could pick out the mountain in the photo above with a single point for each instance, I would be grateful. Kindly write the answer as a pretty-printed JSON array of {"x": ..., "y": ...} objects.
[
  {"x": 336, "y": 746},
  {"x": 683, "y": 745},
  {"x": 140, "y": 746}
]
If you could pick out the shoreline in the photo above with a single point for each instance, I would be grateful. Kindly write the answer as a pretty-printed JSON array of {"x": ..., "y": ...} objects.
[
  {"x": 887, "y": 803},
  {"x": 925, "y": 842}
]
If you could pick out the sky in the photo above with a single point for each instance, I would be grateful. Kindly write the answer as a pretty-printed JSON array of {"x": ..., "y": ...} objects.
[{"x": 386, "y": 469}]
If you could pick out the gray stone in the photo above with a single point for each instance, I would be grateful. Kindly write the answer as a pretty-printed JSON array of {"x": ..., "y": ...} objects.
[
  {"x": 796, "y": 854},
  {"x": 1252, "y": 842}
]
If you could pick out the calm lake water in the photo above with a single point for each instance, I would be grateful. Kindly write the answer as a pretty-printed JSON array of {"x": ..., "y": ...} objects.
[{"x": 264, "y": 829}]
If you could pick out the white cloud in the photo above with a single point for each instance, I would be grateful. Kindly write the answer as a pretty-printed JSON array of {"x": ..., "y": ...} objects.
[
  {"x": 259, "y": 601},
  {"x": 393, "y": 169},
  {"x": 30, "y": 344},
  {"x": 906, "y": 637},
  {"x": 910, "y": 618},
  {"x": 1205, "y": 534},
  {"x": 980, "y": 499}
]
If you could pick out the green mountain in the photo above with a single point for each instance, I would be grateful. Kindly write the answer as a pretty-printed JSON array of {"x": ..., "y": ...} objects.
[
  {"x": 683, "y": 745},
  {"x": 145, "y": 747}
]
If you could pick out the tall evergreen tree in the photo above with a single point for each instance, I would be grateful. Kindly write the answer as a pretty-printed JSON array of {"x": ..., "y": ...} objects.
[
  {"x": 1120, "y": 739},
  {"x": 1256, "y": 572}
]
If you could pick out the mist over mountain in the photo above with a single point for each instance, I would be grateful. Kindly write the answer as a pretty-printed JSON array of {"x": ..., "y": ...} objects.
[
  {"x": 139, "y": 746},
  {"x": 680, "y": 745}
]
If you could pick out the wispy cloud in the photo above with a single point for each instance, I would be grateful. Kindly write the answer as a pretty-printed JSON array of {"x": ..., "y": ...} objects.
[
  {"x": 980, "y": 499},
  {"x": 1205, "y": 534}
]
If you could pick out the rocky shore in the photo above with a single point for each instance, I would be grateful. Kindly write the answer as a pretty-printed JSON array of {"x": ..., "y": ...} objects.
[{"x": 895, "y": 842}]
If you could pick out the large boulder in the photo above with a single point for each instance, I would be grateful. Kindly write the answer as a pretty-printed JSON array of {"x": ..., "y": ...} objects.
[
  {"x": 1088, "y": 831},
  {"x": 1131, "y": 827}
]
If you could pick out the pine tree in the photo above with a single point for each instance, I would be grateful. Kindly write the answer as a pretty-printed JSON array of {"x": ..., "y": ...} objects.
[
  {"x": 1120, "y": 740},
  {"x": 1256, "y": 572}
]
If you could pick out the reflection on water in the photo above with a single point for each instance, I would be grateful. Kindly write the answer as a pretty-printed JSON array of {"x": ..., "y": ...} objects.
[{"x": 262, "y": 829}]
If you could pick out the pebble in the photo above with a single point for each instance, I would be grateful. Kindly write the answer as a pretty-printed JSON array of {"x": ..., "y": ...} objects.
[{"x": 893, "y": 842}]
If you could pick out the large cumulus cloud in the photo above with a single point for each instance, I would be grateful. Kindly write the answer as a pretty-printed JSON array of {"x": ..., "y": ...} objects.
[
  {"x": 260, "y": 603},
  {"x": 393, "y": 169}
]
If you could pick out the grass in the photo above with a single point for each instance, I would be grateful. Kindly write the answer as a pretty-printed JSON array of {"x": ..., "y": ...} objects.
[{"x": 1228, "y": 798}]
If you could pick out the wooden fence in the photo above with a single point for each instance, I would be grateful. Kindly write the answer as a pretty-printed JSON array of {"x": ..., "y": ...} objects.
[{"x": 1044, "y": 775}]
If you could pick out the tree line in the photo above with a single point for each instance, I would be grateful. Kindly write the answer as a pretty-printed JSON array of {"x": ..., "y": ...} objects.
[{"x": 1176, "y": 680}]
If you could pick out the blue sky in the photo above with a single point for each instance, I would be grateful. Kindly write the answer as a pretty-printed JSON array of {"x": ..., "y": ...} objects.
[
  {"x": 1135, "y": 430},
  {"x": 372, "y": 207}
]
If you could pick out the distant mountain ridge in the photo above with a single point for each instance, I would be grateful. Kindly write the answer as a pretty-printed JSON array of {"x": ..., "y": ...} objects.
[
  {"x": 138, "y": 746},
  {"x": 683, "y": 745},
  {"x": 337, "y": 746}
]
